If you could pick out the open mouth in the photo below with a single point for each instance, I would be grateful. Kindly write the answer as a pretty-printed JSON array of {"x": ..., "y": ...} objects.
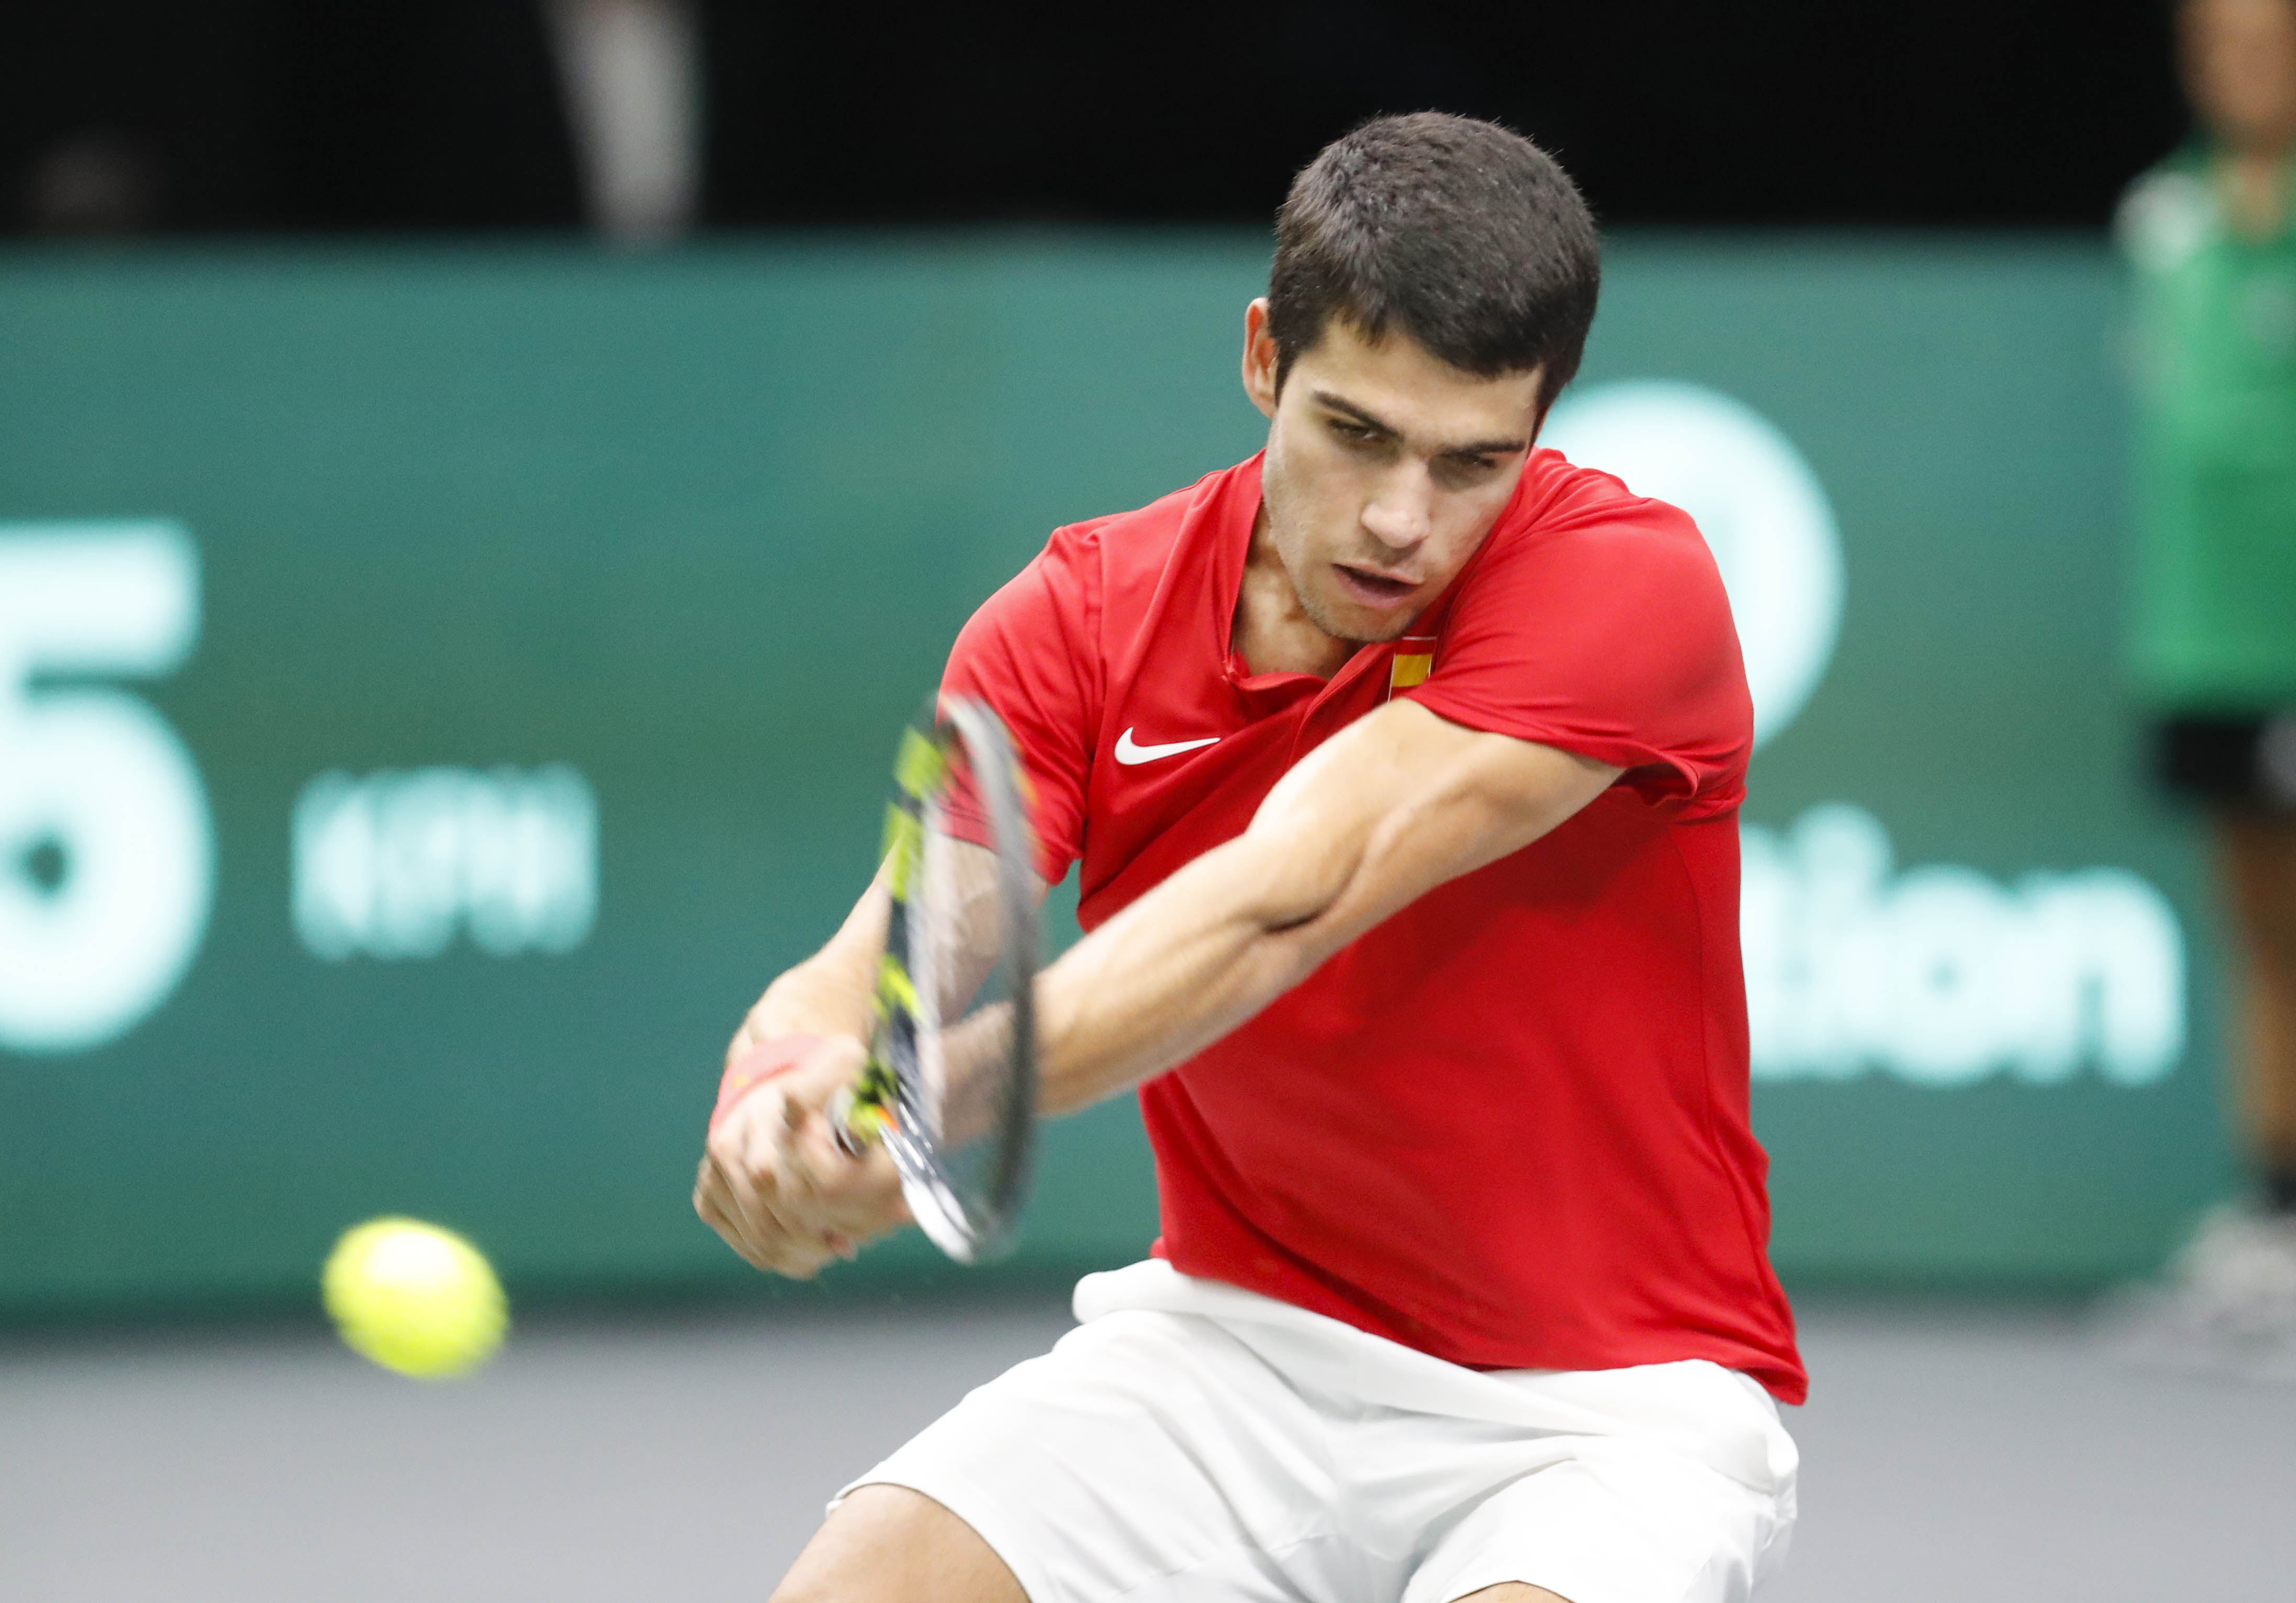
[{"x": 1373, "y": 589}]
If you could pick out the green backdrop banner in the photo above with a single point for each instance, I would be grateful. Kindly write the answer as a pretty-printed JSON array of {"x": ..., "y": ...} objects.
[{"x": 438, "y": 689}]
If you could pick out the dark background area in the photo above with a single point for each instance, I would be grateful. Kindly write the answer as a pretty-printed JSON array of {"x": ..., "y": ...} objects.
[{"x": 364, "y": 116}]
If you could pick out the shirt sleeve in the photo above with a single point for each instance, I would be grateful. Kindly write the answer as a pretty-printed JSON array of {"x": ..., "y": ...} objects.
[
  {"x": 1609, "y": 636},
  {"x": 1029, "y": 654}
]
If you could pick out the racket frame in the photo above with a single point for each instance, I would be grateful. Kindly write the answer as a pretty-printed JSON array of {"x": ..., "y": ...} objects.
[{"x": 889, "y": 1102}]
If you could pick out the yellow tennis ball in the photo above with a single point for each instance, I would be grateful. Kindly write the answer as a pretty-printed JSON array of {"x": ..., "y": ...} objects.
[{"x": 415, "y": 1298}]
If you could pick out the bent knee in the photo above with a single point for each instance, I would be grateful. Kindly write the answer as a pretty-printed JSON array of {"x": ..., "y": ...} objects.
[{"x": 890, "y": 1544}]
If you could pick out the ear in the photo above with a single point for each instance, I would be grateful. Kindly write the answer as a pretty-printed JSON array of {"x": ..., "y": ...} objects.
[{"x": 1260, "y": 358}]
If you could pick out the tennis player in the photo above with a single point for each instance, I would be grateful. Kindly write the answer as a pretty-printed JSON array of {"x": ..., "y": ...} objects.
[{"x": 1402, "y": 764}]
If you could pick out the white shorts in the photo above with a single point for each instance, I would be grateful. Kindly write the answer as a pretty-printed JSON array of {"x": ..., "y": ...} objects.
[{"x": 1192, "y": 1439}]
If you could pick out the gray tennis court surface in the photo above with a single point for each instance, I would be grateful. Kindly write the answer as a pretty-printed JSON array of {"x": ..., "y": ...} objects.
[{"x": 1974, "y": 1454}]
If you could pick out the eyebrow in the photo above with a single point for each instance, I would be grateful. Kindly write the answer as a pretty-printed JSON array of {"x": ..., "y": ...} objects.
[{"x": 1480, "y": 447}]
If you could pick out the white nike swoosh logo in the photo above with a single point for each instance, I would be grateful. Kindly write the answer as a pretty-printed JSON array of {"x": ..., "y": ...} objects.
[{"x": 1129, "y": 751}]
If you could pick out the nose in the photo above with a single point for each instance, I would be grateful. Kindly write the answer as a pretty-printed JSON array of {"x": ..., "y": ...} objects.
[{"x": 1401, "y": 515}]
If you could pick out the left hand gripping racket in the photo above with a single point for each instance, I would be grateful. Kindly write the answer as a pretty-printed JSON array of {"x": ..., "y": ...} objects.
[{"x": 950, "y": 1087}]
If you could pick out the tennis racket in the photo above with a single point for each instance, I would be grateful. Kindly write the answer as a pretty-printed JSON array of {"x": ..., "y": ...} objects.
[{"x": 950, "y": 1087}]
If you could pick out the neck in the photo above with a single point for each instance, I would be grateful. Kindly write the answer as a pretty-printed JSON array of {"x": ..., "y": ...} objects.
[{"x": 1271, "y": 631}]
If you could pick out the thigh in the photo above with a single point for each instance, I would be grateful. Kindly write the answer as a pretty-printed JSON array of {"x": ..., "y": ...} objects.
[
  {"x": 1616, "y": 1524},
  {"x": 1148, "y": 1456},
  {"x": 888, "y": 1544}
]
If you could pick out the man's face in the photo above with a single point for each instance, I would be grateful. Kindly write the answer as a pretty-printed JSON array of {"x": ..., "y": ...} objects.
[
  {"x": 1386, "y": 468},
  {"x": 2240, "y": 69}
]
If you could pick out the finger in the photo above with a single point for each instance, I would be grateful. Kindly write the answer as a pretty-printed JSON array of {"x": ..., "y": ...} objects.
[
  {"x": 752, "y": 1166},
  {"x": 749, "y": 1206},
  {"x": 778, "y": 1230},
  {"x": 761, "y": 1231},
  {"x": 709, "y": 1202},
  {"x": 743, "y": 1186},
  {"x": 723, "y": 1213},
  {"x": 794, "y": 1160},
  {"x": 790, "y": 1188},
  {"x": 705, "y": 1199},
  {"x": 840, "y": 1195},
  {"x": 773, "y": 1169},
  {"x": 858, "y": 1193}
]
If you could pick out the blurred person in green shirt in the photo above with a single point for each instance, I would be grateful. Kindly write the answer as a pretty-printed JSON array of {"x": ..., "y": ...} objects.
[{"x": 2211, "y": 234}]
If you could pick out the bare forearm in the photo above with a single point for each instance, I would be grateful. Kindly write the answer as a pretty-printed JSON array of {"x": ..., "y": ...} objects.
[
  {"x": 821, "y": 995},
  {"x": 1166, "y": 978}
]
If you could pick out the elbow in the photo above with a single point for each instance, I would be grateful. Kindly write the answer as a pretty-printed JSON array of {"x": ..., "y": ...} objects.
[
  {"x": 1295, "y": 882},
  {"x": 1338, "y": 892},
  {"x": 1287, "y": 950},
  {"x": 1293, "y": 955}
]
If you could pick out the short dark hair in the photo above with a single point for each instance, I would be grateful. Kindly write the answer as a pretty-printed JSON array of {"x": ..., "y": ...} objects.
[{"x": 1462, "y": 234}]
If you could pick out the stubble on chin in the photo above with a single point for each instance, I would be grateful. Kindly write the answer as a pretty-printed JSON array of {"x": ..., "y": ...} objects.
[{"x": 1323, "y": 616}]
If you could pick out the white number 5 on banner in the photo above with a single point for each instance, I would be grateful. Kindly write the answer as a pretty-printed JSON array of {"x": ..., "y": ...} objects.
[{"x": 107, "y": 862}]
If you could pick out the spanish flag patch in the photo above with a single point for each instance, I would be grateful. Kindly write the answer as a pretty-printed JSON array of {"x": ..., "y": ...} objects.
[{"x": 1415, "y": 660}]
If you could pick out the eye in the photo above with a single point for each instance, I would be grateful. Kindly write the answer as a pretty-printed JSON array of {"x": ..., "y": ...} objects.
[
  {"x": 1463, "y": 473},
  {"x": 1354, "y": 432}
]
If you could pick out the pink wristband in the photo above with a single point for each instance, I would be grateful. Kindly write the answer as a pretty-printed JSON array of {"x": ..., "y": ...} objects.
[{"x": 765, "y": 1061}]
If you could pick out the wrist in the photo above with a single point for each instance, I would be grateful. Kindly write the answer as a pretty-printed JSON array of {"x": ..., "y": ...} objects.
[{"x": 769, "y": 1059}]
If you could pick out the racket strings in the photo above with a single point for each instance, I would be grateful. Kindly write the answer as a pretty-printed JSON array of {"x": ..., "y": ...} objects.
[
  {"x": 960, "y": 943},
  {"x": 956, "y": 1031}
]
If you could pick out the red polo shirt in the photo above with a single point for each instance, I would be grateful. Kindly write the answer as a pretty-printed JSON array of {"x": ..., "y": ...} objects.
[{"x": 1508, "y": 1126}]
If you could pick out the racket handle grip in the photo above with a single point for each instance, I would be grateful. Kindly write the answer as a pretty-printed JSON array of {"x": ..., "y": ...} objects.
[
  {"x": 860, "y": 1111},
  {"x": 851, "y": 1141}
]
